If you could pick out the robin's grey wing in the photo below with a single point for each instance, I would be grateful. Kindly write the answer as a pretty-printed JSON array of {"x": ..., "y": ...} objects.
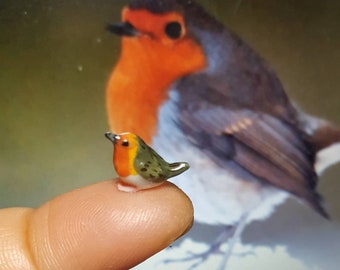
[{"x": 266, "y": 147}]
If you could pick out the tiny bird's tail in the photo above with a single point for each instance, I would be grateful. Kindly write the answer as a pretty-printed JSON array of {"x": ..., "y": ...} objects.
[{"x": 177, "y": 168}]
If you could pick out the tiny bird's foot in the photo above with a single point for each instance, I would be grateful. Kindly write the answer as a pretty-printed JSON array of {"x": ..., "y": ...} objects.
[{"x": 121, "y": 186}]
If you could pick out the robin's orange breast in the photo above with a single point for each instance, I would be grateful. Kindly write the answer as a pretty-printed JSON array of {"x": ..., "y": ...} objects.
[{"x": 139, "y": 83}]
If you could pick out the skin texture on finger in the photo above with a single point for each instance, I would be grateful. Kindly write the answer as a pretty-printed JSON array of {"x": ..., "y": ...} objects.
[
  {"x": 97, "y": 227},
  {"x": 13, "y": 239}
]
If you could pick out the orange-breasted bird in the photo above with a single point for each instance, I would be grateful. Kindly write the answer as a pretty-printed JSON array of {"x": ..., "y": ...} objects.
[
  {"x": 195, "y": 91},
  {"x": 138, "y": 165}
]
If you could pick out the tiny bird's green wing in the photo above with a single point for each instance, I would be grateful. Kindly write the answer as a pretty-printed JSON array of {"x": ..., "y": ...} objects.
[{"x": 151, "y": 166}]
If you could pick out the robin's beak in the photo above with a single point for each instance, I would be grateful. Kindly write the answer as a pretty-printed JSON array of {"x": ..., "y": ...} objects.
[
  {"x": 112, "y": 137},
  {"x": 125, "y": 29}
]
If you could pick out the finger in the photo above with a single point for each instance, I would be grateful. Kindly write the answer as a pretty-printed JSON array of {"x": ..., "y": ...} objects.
[{"x": 95, "y": 227}]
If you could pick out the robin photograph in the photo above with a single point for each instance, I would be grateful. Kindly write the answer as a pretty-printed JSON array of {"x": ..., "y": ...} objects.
[{"x": 222, "y": 134}]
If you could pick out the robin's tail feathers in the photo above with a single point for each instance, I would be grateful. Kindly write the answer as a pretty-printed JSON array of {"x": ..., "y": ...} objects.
[{"x": 317, "y": 203}]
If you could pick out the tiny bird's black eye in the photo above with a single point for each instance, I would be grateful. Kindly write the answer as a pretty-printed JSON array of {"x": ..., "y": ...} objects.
[
  {"x": 125, "y": 143},
  {"x": 173, "y": 30}
]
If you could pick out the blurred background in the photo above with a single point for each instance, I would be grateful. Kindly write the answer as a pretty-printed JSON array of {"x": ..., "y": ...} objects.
[{"x": 55, "y": 60}]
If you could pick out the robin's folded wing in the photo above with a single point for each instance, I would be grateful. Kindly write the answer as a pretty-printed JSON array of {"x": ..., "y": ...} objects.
[{"x": 266, "y": 147}]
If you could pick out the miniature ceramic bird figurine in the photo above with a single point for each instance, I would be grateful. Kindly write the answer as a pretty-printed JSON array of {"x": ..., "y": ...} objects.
[
  {"x": 195, "y": 91},
  {"x": 138, "y": 165}
]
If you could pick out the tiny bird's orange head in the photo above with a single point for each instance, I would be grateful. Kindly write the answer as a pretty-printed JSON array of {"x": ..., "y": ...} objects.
[
  {"x": 157, "y": 49},
  {"x": 125, "y": 147}
]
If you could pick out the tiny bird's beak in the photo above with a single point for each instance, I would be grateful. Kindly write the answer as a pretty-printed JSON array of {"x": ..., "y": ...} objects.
[
  {"x": 125, "y": 29},
  {"x": 112, "y": 137}
]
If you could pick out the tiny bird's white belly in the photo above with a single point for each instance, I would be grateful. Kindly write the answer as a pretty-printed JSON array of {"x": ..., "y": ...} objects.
[{"x": 218, "y": 196}]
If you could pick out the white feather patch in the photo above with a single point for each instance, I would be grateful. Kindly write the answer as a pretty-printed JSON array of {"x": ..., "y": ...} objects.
[{"x": 327, "y": 157}]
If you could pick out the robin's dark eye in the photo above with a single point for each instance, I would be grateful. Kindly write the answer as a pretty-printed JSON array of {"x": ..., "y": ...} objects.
[
  {"x": 173, "y": 30},
  {"x": 125, "y": 143}
]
